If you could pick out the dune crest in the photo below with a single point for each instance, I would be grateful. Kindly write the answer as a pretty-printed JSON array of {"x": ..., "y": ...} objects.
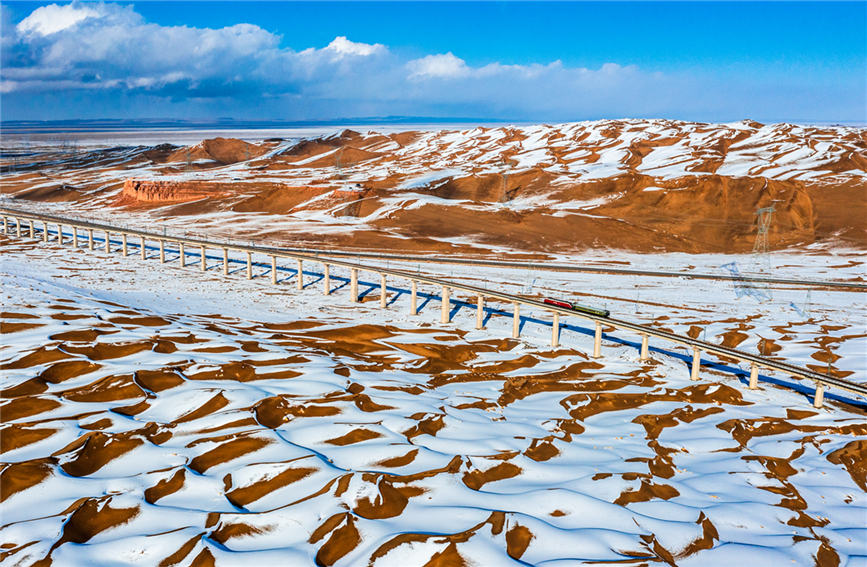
[{"x": 639, "y": 185}]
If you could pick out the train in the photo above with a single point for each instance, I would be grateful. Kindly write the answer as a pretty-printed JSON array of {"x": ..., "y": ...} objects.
[{"x": 577, "y": 307}]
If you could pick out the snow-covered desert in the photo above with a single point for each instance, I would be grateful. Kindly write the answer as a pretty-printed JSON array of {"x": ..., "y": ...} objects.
[{"x": 156, "y": 414}]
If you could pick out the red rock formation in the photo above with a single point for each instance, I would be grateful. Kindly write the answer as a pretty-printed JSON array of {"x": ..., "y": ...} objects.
[{"x": 147, "y": 191}]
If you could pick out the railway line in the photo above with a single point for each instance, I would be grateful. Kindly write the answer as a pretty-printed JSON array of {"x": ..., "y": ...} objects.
[
  {"x": 24, "y": 222},
  {"x": 557, "y": 267},
  {"x": 542, "y": 265}
]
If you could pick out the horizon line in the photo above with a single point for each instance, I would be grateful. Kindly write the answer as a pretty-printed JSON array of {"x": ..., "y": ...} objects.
[{"x": 97, "y": 125}]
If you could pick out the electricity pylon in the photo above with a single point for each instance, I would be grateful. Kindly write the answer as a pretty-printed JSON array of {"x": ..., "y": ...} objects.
[
  {"x": 761, "y": 249},
  {"x": 339, "y": 170},
  {"x": 763, "y": 224}
]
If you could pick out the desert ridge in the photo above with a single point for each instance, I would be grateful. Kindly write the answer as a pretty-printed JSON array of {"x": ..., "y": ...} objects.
[{"x": 637, "y": 185}]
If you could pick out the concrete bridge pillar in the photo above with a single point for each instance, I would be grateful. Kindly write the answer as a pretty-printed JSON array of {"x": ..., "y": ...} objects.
[
  {"x": 696, "y": 363},
  {"x": 300, "y": 281},
  {"x": 819, "y": 398},
  {"x": 353, "y": 285},
  {"x": 204, "y": 258},
  {"x": 249, "y": 266},
  {"x": 597, "y": 341},
  {"x": 383, "y": 299},
  {"x": 516, "y": 320},
  {"x": 555, "y": 331},
  {"x": 107, "y": 242},
  {"x": 480, "y": 312},
  {"x": 59, "y": 233},
  {"x": 75, "y": 237},
  {"x": 754, "y": 376},
  {"x": 162, "y": 251},
  {"x": 123, "y": 244},
  {"x": 413, "y": 298},
  {"x": 32, "y": 232},
  {"x": 182, "y": 253},
  {"x": 142, "y": 248},
  {"x": 326, "y": 281},
  {"x": 90, "y": 239},
  {"x": 225, "y": 261},
  {"x": 644, "y": 347},
  {"x": 446, "y": 306},
  {"x": 18, "y": 227},
  {"x": 44, "y": 231},
  {"x": 274, "y": 270}
]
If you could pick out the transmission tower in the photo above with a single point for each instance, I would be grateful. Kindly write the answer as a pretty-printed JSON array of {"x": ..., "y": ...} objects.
[
  {"x": 805, "y": 310},
  {"x": 339, "y": 170},
  {"x": 763, "y": 224},
  {"x": 761, "y": 252}
]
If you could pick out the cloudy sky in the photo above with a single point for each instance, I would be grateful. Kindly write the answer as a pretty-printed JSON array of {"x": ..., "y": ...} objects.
[{"x": 777, "y": 61}]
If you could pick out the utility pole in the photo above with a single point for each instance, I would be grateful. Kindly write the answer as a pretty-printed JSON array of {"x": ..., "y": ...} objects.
[
  {"x": 339, "y": 170},
  {"x": 763, "y": 225},
  {"x": 503, "y": 185},
  {"x": 761, "y": 249}
]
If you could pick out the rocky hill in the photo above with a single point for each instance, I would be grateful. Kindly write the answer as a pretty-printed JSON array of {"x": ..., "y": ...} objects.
[{"x": 642, "y": 185}]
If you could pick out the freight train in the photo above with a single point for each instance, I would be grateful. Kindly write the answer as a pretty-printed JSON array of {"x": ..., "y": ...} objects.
[{"x": 577, "y": 307}]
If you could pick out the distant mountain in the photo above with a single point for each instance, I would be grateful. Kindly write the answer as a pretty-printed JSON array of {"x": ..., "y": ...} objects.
[{"x": 113, "y": 125}]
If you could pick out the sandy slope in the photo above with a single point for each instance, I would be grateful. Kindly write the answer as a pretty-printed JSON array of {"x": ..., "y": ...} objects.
[
  {"x": 643, "y": 185},
  {"x": 290, "y": 429}
]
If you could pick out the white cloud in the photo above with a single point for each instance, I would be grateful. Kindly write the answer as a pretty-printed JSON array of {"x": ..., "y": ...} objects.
[
  {"x": 111, "y": 48},
  {"x": 51, "y": 19},
  {"x": 106, "y": 55},
  {"x": 443, "y": 65},
  {"x": 343, "y": 46}
]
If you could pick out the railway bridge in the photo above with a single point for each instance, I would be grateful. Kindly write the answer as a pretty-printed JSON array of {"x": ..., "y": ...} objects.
[{"x": 138, "y": 242}]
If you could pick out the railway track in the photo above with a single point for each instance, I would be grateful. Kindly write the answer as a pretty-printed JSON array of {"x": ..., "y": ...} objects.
[
  {"x": 699, "y": 347},
  {"x": 549, "y": 266},
  {"x": 856, "y": 286}
]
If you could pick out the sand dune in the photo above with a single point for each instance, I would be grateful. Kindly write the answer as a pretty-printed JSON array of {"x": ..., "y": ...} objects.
[
  {"x": 177, "y": 438},
  {"x": 221, "y": 421},
  {"x": 640, "y": 185}
]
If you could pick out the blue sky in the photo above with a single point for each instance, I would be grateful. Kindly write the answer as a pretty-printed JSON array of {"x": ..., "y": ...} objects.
[{"x": 710, "y": 61}]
